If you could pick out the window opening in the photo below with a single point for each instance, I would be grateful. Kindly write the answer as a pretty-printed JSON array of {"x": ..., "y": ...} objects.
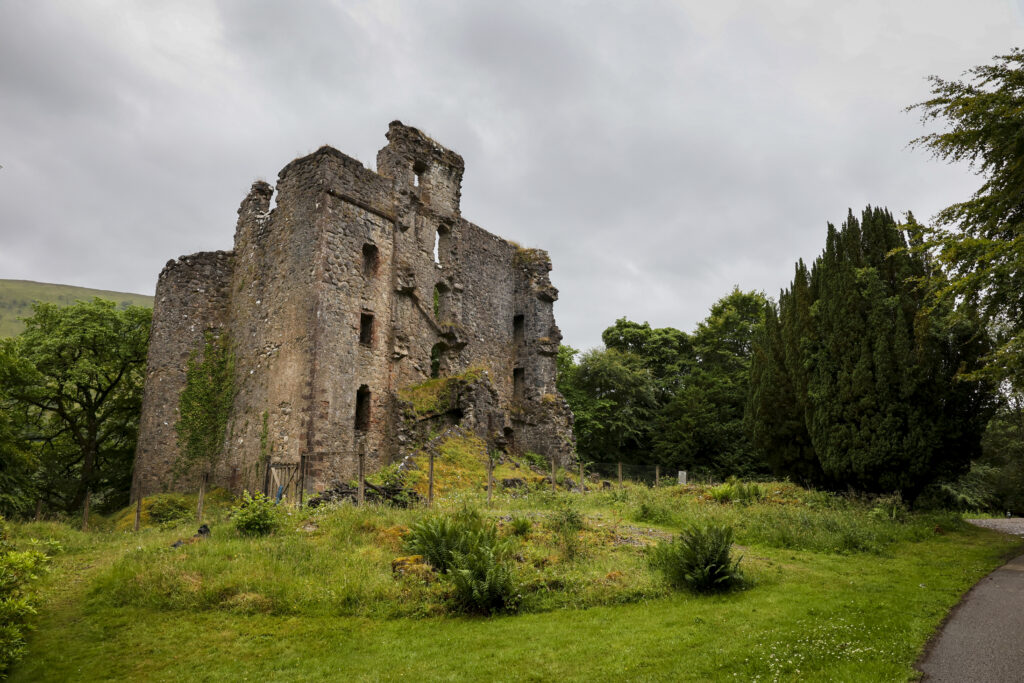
[
  {"x": 518, "y": 383},
  {"x": 437, "y": 248},
  {"x": 441, "y": 313},
  {"x": 435, "y": 360},
  {"x": 418, "y": 169},
  {"x": 371, "y": 259},
  {"x": 366, "y": 328},
  {"x": 363, "y": 408},
  {"x": 518, "y": 330}
]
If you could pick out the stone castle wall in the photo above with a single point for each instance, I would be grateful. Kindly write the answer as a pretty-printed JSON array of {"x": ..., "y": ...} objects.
[{"x": 335, "y": 300}]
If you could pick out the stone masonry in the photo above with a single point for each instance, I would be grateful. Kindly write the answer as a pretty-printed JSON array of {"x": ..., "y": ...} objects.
[{"x": 355, "y": 285}]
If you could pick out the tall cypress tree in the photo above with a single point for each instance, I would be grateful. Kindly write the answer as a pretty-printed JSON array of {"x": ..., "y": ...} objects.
[{"x": 872, "y": 366}]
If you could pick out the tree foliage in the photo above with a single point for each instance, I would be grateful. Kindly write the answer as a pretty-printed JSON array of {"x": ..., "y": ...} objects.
[
  {"x": 859, "y": 377},
  {"x": 72, "y": 394},
  {"x": 701, "y": 427},
  {"x": 205, "y": 405},
  {"x": 660, "y": 395},
  {"x": 612, "y": 396},
  {"x": 980, "y": 241}
]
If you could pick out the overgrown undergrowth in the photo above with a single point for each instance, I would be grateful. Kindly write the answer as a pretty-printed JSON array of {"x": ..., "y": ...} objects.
[{"x": 564, "y": 551}]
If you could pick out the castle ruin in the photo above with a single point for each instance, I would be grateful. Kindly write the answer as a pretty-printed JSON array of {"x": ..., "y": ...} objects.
[{"x": 354, "y": 286}]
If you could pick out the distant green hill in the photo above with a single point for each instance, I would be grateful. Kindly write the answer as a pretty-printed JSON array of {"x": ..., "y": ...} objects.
[{"x": 17, "y": 297}]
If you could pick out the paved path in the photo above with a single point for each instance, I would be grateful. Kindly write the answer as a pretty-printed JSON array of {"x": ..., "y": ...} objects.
[{"x": 983, "y": 640}]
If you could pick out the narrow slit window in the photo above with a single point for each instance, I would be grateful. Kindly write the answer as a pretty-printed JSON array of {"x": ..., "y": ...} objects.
[
  {"x": 366, "y": 329},
  {"x": 518, "y": 330},
  {"x": 437, "y": 248},
  {"x": 371, "y": 259},
  {"x": 436, "y": 355},
  {"x": 441, "y": 303},
  {"x": 518, "y": 383},
  {"x": 363, "y": 408}
]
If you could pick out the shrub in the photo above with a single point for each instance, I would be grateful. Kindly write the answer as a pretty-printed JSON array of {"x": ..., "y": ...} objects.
[
  {"x": 654, "y": 512},
  {"x": 699, "y": 559},
  {"x": 723, "y": 493},
  {"x": 521, "y": 526},
  {"x": 890, "y": 508},
  {"x": 255, "y": 515},
  {"x": 736, "y": 490},
  {"x": 537, "y": 461},
  {"x": 439, "y": 538},
  {"x": 17, "y": 569},
  {"x": 566, "y": 518},
  {"x": 566, "y": 521},
  {"x": 465, "y": 546},
  {"x": 166, "y": 509},
  {"x": 484, "y": 582}
]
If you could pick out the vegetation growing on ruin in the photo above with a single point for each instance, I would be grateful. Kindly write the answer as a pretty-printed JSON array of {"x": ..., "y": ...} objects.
[
  {"x": 529, "y": 257},
  {"x": 205, "y": 405},
  {"x": 433, "y": 396}
]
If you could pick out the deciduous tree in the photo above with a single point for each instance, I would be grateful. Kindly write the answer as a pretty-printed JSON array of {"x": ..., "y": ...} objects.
[{"x": 74, "y": 377}]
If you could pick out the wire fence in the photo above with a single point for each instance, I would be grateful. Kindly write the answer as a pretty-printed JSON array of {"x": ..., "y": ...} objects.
[{"x": 285, "y": 482}]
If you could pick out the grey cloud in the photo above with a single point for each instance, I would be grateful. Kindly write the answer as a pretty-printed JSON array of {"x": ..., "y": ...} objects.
[{"x": 661, "y": 151}]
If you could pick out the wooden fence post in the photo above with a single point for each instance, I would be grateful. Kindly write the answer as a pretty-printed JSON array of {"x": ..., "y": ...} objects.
[
  {"x": 657, "y": 476},
  {"x": 362, "y": 477},
  {"x": 85, "y": 510},
  {"x": 430, "y": 481},
  {"x": 620, "y": 474},
  {"x": 302, "y": 478},
  {"x": 39, "y": 509},
  {"x": 202, "y": 495},
  {"x": 138, "y": 513}
]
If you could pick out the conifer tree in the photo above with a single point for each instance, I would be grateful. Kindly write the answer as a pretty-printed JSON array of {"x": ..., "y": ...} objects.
[{"x": 874, "y": 367}]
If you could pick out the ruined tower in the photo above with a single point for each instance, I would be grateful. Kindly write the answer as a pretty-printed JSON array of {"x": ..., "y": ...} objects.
[{"x": 355, "y": 285}]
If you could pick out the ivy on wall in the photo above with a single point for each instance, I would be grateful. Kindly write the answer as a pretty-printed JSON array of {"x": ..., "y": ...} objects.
[{"x": 205, "y": 404}]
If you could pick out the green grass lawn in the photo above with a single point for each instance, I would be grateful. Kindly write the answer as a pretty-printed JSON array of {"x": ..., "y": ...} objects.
[
  {"x": 836, "y": 592},
  {"x": 17, "y": 296}
]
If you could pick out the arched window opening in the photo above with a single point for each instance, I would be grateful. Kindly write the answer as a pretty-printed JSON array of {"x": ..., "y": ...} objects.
[
  {"x": 371, "y": 259},
  {"x": 363, "y": 408}
]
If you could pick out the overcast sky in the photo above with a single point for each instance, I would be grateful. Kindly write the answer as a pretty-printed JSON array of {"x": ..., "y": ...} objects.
[{"x": 662, "y": 152}]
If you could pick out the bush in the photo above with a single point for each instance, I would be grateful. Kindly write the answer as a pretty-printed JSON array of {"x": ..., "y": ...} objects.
[
  {"x": 566, "y": 521},
  {"x": 736, "y": 490},
  {"x": 484, "y": 582},
  {"x": 521, "y": 526},
  {"x": 255, "y": 515},
  {"x": 17, "y": 569},
  {"x": 439, "y": 538},
  {"x": 699, "y": 559},
  {"x": 465, "y": 546},
  {"x": 167, "y": 509},
  {"x": 889, "y": 508}
]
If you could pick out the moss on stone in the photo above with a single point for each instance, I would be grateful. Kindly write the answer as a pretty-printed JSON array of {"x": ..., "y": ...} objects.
[{"x": 434, "y": 396}]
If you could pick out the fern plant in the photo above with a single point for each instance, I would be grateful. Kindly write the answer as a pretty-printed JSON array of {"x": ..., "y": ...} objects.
[
  {"x": 699, "y": 559},
  {"x": 439, "y": 538},
  {"x": 484, "y": 582}
]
